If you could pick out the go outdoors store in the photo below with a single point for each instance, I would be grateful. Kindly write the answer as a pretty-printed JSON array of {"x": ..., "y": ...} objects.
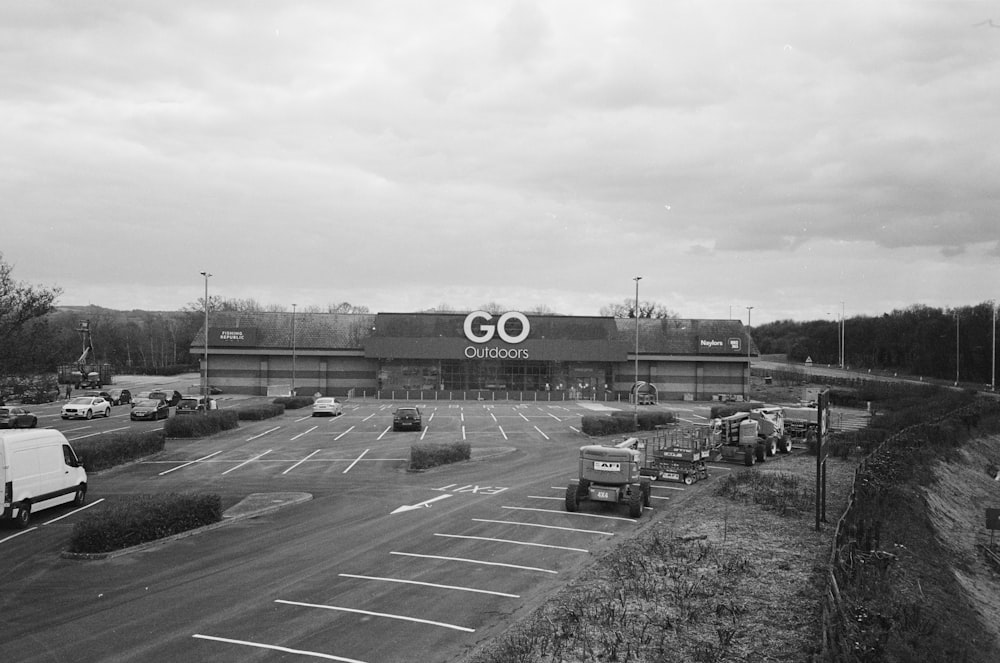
[{"x": 514, "y": 355}]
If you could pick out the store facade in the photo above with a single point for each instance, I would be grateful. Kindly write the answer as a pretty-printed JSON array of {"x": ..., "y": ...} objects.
[{"x": 478, "y": 355}]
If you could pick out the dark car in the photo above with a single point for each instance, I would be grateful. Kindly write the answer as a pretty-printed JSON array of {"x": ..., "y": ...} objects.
[
  {"x": 99, "y": 394},
  {"x": 16, "y": 417},
  {"x": 149, "y": 409},
  {"x": 195, "y": 404},
  {"x": 171, "y": 396},
  {"x": 120, "y": 396},
  {"x": 406, "y": 417}
]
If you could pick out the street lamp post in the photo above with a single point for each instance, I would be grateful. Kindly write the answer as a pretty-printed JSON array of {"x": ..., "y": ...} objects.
[
  {"x": 293, "y": 349},
  {"x": 749, "y": 308},
  {"x": 843, "y": 348},
  {"x": 957, "y": 356},
  {"x": 635, "y": 385},
  {"x": 204, "y": 386},
  {"x": 993, "y": 363}
]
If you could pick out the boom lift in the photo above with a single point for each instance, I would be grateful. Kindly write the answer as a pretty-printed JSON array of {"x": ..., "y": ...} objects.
[{"x": 611, "y": 474}]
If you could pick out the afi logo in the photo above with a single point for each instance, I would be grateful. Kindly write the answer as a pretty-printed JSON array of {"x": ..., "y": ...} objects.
[{"x": 483, "y": 333}]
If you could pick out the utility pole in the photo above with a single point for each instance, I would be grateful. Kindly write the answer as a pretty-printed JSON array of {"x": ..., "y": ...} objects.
[
  {"x": 993, "y": 371},
  {"x": 205, "y": 388},
  {"x": 293, "y": 350},
  {"x": 843, "y": 347},
  {"x": 956, "y": 347},
  {"x": 635, "y": 386},
  {"x": 749, "y": 308}
]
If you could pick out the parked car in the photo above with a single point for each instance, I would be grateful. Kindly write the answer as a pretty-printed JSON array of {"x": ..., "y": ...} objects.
[
  {"x": 171, "y": 396},
  {"x": 149, "y": 409},
  {"x": 100, "y": 394},
  {"x": 86, "y": 407},
  {"x": 195, "y": 404},
  {"x": 121, "y": 396},
  {"x": 17, "y": 417},
  {"x": 326, "y": 405},
  {"x": 406, "y": 417}
]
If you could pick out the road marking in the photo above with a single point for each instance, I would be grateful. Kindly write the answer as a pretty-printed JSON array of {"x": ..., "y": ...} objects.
[
  {"x": 24, "y": 531},
  {"x": 540, "y": 431},
  {"x": 569, "y": 513},
  {"x": 303, "y": 433},
  {"x": 356, "y": 460},
  {"x": 287, "y": 650},
  {"x": 540, "y": 497},
  {"x": 251, "y": 439},
  {"x": 301, "y": 461},
  {"x": 67, "y": 515},
  {"x": 522, "y": 416},
  {"x": 476, "y": 561},
  {"x": 574, "y": 429},
  {"x": 565, "y": 529},
  {"x": 247, "y": 461},
  {"x": 503, "y": 433},
  {"x": 431, "y": 584},
  {"x": 519, "y": 543},
  {"x": 494, "y": 416},
  {"x": 343, "y": 434},
  {"x": 554, "y": 417},
  {"x": 463, "y": 431},
  {"x": 377, "y": 614},
  {"x": 421, "y": 505},
  {"x": 110, "y": 430},
  {"x": 190, "y": 462},
  {"x": 387, "y": 429}
]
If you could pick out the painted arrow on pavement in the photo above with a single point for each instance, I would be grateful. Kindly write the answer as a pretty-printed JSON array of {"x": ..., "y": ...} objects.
[{"x": 422, "y": 505}]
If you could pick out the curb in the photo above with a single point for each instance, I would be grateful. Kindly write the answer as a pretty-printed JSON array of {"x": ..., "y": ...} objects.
[{"x": 244, "y": 510}]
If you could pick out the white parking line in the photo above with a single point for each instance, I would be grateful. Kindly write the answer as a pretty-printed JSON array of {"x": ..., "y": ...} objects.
[
  {"x": 540, "y": 431},
  {"x": 522, "y": 416},
  {"x": 343, "y": 434},
  {"x": 387, "y": 429},
  {"x": 110, "y": 430},
  {"x": 24, "y": 531},
  {"x": 287, "y": 650},
  {"x": 569, "y": 513},
  {"x": 476, "y": 561},
  {"x": 518, "y": 543},
  {"x": 503, "y": 433},
  {"x": 247, "y": 461},
  {"x": 303, "y": 433},
  {"x": 431, "y": 584},
  {"x": 377, "y": 614},
  {"x": 301, "y": 461},
  {"x": 554, "y": 416},
  {"x": 565, "y": 529},
  {"x": 190, "y": 462},
  {"x": 251, "y": 439},
  {"x": 355, "y": 462},
  {"x": 67, "y": 515}
]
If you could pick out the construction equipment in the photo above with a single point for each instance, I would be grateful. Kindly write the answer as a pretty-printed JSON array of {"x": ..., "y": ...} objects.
[
  {"x": 85, "y": 372},
  {"x": 611, "y": 474},
  {"x": 802, "y": 420},
  {"x": 677, "y": 455},
  {"x": 771, "y": 420},
  {"x": 736, "y": 439}
]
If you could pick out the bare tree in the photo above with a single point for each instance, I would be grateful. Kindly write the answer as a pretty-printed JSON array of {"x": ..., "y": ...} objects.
[{"x": 647, "y": 309}]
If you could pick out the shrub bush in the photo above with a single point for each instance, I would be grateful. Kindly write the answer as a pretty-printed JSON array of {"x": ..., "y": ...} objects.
[
  {"x": 294, "y": 402},
  {"x": 423, "y": 456},
  {"x": 111, "y": 449},
  {"x": 201, "y": 425},
  {"x": 623, "y": 422},
  {"x": 260, "y": 412},
  {"x": 141, "y": 518}
]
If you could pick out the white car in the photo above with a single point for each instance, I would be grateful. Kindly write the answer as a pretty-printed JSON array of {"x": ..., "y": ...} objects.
[
  {"x": 86, "y": 407},
  {"x": 327, "y": 405}
]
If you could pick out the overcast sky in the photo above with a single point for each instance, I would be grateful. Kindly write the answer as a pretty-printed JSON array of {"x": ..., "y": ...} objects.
[{"x": 400, "y": 155}]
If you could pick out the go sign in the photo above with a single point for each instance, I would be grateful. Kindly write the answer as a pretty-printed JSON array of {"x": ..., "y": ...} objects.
[{"x": 483, "y": 333}]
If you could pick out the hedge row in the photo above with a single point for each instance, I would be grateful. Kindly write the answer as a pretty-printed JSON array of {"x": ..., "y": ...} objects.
[
  {"x": 111, "y": 449},
  {"x": 624, "y": 422},
  {"x": 424, "y": 456},
  {"x": 294, "y": 402},
  {"x": 202, "y": 425},
  {"x": 142, "y": 518},
  {"x": 260, "y": 412}
]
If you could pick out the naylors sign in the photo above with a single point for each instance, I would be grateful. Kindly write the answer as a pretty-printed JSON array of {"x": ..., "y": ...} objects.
[
  {"x": 720, "y": 346},
  {"x": 232, "y": 337}
]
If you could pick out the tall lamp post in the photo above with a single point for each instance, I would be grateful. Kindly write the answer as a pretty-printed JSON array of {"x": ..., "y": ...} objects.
[
  {"x": 957, "y": 357},
  {"x": 635, "y": 386},
  {"x": 993, "y": 363},
  {"x": 293, "y": 349},
  {"x": 204, "y": 385},
  {"x": 843, "y": 348},
  {"x": 749, "y": 308}
]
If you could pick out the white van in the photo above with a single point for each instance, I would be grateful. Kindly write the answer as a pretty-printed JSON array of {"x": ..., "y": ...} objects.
[{"x": 38, "y": 470}]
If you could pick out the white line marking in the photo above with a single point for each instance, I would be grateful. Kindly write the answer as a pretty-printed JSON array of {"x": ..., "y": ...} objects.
[
  {"x": 287, "y": 650},
  {"x": 377, "y": 614},
  {"x": 503, "y": 433},
  {"x": 554, "y": 417},
  {"x": 540, "y": 431},
  {"x": 423, "y": 505},
  {"x": 475, "y": 561},
  {"x": 251, "y": 439},
  {"x": 190, "y": 462},
  {"x": 303, "y": 433},
  {"x": 301, "y": 461},
  {"x": 431, "y": 584},
  {"x": 343, "y": 434},
  {"x": 368, "y": 417},
  {"x": 568, "y": 513},
  {"x": 519, "y": 543},
  {"x": 494, "y": 416},
  {"x": 67, "y": 515},
  {"x": 349, "y": 467},
  {"x": 463, "y": 432},
  {"x": 24, "y": 531},
  {"x": 247, "y": 461},
  {"x": 565, "y": 529},
  {"x": 540, "y": 497},
  {"x": 387, "y": 429},
  {"x": 522, "y": 416}
]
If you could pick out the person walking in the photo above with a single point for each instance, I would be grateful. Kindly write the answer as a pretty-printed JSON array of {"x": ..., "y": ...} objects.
[{"x": 69, "y": 391}]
